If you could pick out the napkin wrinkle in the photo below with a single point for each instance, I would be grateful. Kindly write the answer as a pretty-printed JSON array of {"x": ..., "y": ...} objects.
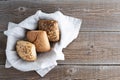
[
  {"x": 14, "y": 30},
  {"x": 11, "y": 41},
  {"x": 29, "y": 23}
]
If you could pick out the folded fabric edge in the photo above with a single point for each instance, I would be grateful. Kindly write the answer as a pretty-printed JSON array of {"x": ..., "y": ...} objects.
[
  {"x": 40, "y": 11},
  {"x": 10, "y": 26},
  {"x": 43, "y": 72},
  {"x": 7, "y": 64}
]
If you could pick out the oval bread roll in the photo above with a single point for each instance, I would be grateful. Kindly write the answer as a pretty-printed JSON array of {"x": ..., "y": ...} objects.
[
  {"x": 40, "y": 39},
  {"x": 26, "y": 50}
]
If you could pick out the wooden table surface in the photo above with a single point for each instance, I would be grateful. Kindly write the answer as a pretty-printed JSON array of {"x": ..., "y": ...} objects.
[{"x": 94, "y": 55}]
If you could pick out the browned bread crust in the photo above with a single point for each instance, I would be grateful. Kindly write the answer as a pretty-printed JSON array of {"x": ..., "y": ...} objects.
[
  {"x": 51, "y": 27},
  {"x": 40, "y": 39}
]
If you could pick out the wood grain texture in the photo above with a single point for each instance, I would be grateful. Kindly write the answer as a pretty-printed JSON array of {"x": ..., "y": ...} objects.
[
  {"x": 94, "y": 47},
  {"x": 96, "y": 15},
  {"x": 3, "y": 40},
  {"x": 65, "y": 72},
  {"x": 88, "y": 48},
  {"x": 94, "y": 55}
]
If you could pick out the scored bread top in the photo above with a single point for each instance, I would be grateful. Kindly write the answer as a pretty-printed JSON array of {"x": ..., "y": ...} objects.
[{"x": 40, "y": 39}]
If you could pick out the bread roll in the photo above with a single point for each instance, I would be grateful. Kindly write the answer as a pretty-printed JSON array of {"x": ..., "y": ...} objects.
[
  {"x": 26, "y": 50},
  {"x": 40, "y": 39},
  {"x": 51, "y": 27}
]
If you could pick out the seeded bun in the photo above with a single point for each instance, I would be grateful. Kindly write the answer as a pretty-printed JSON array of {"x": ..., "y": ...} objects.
[
  {"x": 26, "y": 50},
  {"x": 51, "y": 27}
]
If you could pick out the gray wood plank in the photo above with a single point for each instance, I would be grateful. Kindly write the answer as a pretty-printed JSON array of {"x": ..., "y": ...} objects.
[
  {"x": 65, "y": 72},
  {"x": 93, "y": 48},
  {"x": 96, "y": 15},
  {"x": 3, "y": 41}
]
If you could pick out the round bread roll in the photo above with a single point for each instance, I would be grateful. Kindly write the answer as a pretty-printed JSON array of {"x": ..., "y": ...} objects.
[
  {"x": 40, "y": 39},
  {"x": 26, "y": 50}
]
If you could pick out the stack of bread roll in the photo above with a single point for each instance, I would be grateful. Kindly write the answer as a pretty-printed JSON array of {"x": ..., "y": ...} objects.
[{"x": 38, "y": 40}]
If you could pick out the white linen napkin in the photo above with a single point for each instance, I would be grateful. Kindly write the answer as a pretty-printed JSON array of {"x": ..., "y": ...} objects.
[{"x": 69, "y": 28}]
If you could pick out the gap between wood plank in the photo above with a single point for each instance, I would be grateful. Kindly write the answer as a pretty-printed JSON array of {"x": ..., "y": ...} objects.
[
  {"x": 91, "y": 64},
  {"x": 83, "y": 64},
  {"x": 2, "y": 31}
]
